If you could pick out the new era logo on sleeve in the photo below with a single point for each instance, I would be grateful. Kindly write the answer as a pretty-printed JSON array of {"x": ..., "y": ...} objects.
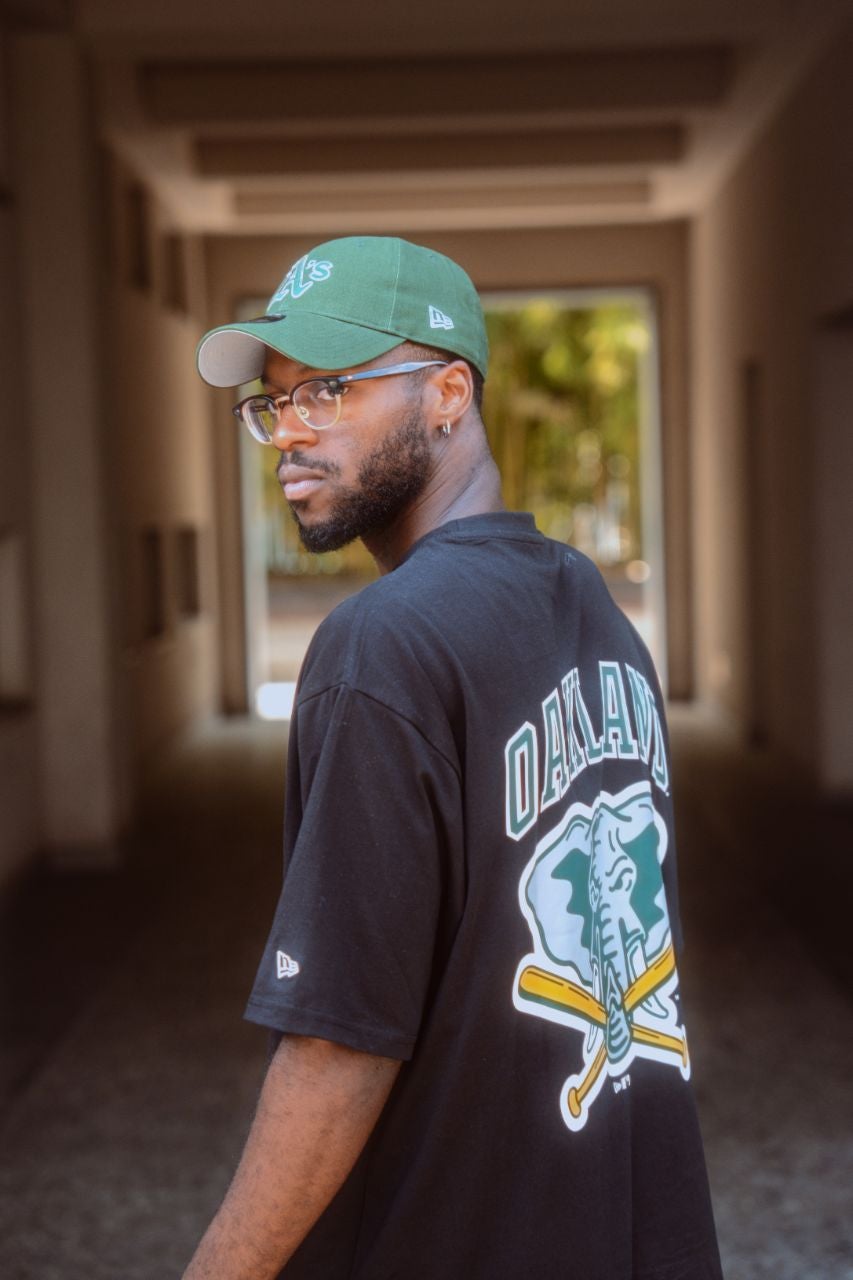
[
  {"x": 285, "y": 965},
  {"x": 438, "y": 320}
]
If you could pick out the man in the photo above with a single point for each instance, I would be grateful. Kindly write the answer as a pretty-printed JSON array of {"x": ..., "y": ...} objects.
[{"x": 481, "y": 1070}]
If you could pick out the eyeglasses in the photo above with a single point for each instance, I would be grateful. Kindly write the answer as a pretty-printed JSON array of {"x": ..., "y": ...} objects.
[{"x": 317, "y": 401}]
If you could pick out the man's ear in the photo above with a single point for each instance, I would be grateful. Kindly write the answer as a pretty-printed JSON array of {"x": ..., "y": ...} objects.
[{"x": 456, "y": 387}]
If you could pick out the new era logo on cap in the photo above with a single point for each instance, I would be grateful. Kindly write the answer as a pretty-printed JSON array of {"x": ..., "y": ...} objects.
[
  {"x": 438, "y": 320},
  {"x": 285, "y": 965}
]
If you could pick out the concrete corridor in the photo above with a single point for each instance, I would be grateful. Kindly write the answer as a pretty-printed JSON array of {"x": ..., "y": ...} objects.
[{"x": 127, "y": 1078}]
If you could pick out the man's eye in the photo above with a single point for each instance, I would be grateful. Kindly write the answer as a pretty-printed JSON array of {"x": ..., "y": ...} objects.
[{"x": 330, "y": 391}]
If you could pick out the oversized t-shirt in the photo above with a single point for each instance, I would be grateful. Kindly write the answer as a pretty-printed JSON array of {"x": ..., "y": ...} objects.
[{"x": 480, "y": 881}]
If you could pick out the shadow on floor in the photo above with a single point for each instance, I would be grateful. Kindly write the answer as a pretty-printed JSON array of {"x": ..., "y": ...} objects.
[{"x": 129, "y": 1078}]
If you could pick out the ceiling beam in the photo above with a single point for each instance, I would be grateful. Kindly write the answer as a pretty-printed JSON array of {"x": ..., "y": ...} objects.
[
  {"x": 187, "y": 93},
  {"x": 229, "y": 156},
  {"x": 369, "y": 211},
  {"x": 254, "y": 202}
]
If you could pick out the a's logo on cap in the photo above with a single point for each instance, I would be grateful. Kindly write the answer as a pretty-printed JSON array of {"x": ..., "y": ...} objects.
[
  {"x": 301, "y": 277},
  {"x": 438, "y": 320}
]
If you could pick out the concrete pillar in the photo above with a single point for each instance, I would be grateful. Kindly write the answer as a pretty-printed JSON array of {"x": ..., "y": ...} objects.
[
  {"x": 834, "y": 530},
  {"x": 59, "y": 407}
]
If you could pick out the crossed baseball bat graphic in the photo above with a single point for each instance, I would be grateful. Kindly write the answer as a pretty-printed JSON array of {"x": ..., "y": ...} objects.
[{"x": 548, "y": 988}]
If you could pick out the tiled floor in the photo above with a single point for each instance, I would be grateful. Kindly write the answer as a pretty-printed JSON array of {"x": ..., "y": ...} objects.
[
  {"x": 771, "y": 1021},
  {"x": 129, "y": 1079}
]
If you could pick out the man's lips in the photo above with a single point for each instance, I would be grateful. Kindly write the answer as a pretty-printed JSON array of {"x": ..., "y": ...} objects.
[{"x": 299, "y": 482}]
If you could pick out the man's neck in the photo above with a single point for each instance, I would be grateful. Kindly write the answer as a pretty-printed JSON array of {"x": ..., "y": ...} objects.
[{"x": 450, "y": 497}]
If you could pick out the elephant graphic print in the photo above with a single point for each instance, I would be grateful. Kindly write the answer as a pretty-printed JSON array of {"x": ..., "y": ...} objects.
[{"x": 602, "y": 960}]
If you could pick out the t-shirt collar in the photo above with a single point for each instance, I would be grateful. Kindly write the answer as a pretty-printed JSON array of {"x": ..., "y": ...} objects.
[{"x": 489, "y": 524}]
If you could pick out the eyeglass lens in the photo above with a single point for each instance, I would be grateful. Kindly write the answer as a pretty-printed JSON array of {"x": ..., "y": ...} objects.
[
  {"x": 318, "y": 403},
  {"x": 260, "y": 417},
  {"x": 315, "y": 402}
]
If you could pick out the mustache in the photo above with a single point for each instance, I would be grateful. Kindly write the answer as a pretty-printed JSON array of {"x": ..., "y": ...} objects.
[{"x": 295, "y": 459}]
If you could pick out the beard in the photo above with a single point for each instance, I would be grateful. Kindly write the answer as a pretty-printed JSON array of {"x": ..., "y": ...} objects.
[{"x": 389, "y": 480}]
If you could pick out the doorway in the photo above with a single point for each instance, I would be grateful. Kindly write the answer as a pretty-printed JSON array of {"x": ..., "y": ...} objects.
[
  {"x": 571, "y": 408},
  {"x": 572, "y": 412}
]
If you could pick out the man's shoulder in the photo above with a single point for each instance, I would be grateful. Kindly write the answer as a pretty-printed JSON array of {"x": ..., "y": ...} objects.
[
  {"x": 410, "y": 629},
  {"x": 420, "y": 588},
  {"x": 476, "y": 590},
  {"x": 374, "y": 609},
  {"x": 365, "y": 637}
]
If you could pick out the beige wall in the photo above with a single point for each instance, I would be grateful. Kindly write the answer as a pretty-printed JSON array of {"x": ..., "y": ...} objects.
[
  {"x": 161, "y": 482},
  {"x": 652, "y": 256},
  {"x": 772, "y": 275},
  {"x": 18, "y": 760},
  {"x": 116, "y": 443},
  {"x": 56, "y": 305}
]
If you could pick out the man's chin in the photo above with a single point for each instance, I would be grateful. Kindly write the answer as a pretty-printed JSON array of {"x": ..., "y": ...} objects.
[{"x": 324, "y": 536}]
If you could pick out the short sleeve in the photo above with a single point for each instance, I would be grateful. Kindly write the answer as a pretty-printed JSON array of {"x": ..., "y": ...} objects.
[{"x": 350, "y": 954}]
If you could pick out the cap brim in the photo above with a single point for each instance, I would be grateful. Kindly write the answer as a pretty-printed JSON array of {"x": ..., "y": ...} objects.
[{"x": 235, "y": 353}]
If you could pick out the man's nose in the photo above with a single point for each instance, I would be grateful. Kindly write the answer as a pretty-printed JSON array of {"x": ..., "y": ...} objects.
[{"x": 292, "y": 430}]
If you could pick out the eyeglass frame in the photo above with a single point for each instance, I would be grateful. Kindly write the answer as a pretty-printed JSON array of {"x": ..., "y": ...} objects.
[{"x": 341, "y": 379}]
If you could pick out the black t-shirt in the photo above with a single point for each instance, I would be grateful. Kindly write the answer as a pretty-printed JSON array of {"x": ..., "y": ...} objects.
[{"x": 480, "y": 880}]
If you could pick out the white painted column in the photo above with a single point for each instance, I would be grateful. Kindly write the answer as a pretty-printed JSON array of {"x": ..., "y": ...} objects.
[{"x": 57, "y": 402}]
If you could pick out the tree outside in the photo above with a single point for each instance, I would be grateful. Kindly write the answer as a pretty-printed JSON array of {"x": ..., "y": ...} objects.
[{"x": 563, "y": 407}]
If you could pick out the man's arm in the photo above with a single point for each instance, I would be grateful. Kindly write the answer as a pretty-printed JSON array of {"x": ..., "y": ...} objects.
[{"x": 317, "y": 1108}]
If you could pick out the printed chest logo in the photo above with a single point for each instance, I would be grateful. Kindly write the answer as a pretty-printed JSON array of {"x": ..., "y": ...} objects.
[
  {"x": 602, "y": 960},
  {"x": 285, "y": 965},
  {"x": 301, "y": 277}
]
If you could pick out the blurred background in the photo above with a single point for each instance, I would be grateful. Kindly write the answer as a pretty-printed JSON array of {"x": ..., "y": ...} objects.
[{"x": 656, "y": 204}]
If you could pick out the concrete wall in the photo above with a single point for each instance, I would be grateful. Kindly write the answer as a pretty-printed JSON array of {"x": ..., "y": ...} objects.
[
  {"x": 59, "y": 293},
  {"x": 653, "y": 256},
  {"x": 106, "y": 470},
  {"x": 772, "y": 324},
  {"x": 161, "y": 474},
  {"x": 18, "y": 762}
]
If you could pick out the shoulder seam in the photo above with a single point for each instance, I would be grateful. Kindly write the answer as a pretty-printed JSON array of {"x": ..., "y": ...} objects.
[{"x": 398, "y": 715}]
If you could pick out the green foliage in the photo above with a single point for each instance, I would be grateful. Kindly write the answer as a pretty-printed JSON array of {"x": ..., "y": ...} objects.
[{"x": 562, "y": 410}]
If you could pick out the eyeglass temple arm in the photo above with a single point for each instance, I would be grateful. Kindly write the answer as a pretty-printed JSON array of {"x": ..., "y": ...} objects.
[{"x": 409, "y": 367}]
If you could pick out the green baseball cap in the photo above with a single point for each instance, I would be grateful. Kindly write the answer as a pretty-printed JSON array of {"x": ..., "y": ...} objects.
[{"x": 349, "y": 301}]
